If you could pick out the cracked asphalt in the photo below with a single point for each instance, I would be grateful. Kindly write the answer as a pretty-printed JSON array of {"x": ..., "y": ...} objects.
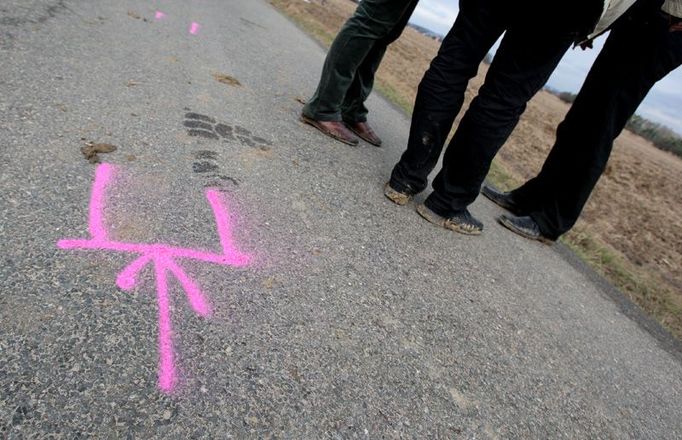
[{"x": 355, "y": 318}]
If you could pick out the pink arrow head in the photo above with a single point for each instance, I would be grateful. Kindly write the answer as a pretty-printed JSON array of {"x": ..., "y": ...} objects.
[
  {"x": 126, "y": 284},
  {"x": 196, "y": 298},
  {"x": 127, "y": 278}
]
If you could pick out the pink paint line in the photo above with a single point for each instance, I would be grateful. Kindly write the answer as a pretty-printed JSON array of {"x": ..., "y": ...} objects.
[
  {"x": 194, "y": 295},
  {"x": 166, "y": 363},
  {"x": 221, "y": 220},
  {"x": 194, "y": 28},
  {"x": 103, "y": 175},
  {"x": 127, "y": 278},
  {"x": 159, "y": 15},
  {"x": 234, "y": 258},
  {"x": 162, "y": 257}
]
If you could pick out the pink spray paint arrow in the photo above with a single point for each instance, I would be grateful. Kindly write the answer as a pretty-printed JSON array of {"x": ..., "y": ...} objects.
[{"x": 162, "y": 257}]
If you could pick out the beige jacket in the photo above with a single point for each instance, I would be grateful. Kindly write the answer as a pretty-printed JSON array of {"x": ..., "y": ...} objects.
[
  {"x": 612, "y": 10},
  {"x": 673, "y": 7},
  {"x": 615, "y": 8}
]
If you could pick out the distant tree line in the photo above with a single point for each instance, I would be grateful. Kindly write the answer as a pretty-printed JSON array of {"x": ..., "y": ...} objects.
[
  {"x": 659, "y": 135},
  {"x": 567, "y": 97},
  {"x": 422, "y": 30}
]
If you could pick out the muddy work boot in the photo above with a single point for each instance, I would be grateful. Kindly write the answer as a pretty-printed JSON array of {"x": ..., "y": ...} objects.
[
  {"x": 462, "y": 221},
  {"x": 395, "y": 196},
  {"x": 334, "y": 129}
]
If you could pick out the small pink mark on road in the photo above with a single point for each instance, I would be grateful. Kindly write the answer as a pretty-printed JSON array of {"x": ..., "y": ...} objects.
[
  {"x": 159, "y": 15},
  {"x": 163, "y": 258},
  {"x": 194, "y": 28}
]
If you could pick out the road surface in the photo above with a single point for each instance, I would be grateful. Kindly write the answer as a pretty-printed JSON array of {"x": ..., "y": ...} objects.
[{"x": 273, "y": 291}]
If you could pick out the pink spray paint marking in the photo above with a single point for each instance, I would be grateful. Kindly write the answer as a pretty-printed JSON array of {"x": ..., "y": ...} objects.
[
  {"x": 163, "y": 258},
  {"x": 159, "y": 15},
  {"x": 194, "y": 28}
]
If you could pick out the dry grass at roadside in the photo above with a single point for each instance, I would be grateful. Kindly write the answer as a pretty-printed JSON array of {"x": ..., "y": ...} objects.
[{"x": 630, "y": 231}]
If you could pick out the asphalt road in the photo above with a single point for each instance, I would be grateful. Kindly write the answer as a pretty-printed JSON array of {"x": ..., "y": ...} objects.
[{"x": 353, "y": 318}]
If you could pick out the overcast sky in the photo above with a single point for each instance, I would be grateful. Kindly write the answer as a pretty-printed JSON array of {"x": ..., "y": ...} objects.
[{"x": 663, "y": 104}]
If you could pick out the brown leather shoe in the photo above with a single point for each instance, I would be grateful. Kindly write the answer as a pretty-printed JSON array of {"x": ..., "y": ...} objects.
[
  {"x": 333, "y": 129},
  {"x": 365, "y": 132}
]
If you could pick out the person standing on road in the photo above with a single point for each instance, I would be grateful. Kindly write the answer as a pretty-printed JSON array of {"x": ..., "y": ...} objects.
[
  {"x": 643, "y": 47},
  {"x": 535, "y": 40},
  {"x": 337, "y": 108}
]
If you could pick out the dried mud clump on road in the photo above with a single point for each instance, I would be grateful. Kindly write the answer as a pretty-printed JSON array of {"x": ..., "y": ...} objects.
[
  {"x": 91, "y": 151},
  {"x": 227, "y": 79}
]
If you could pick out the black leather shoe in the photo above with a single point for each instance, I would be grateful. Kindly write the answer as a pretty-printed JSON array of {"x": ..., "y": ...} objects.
[
  {"x": 524, "y": 226},
  {"x": 503, "y": 199}
]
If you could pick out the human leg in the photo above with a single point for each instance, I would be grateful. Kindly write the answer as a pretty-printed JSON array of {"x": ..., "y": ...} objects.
[
  {"x": 520, "y": 68},
  {"x": 638, "y": 53},
  {"x": 373, "y": 21},
  {"x": 441, "y": 91}
]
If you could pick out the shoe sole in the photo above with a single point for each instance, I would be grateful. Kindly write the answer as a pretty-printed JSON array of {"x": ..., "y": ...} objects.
[
  {"x": 507, "y": 224},
  {"x": 396, "y": 196},
  {"x": 364, "y": 138},
  {"x": 313, "y": 123},
  {"x": 436, "y": 219}
]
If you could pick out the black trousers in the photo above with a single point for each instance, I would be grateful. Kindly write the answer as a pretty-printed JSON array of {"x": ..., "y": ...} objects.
[
  {"x": 528, "y": 54},
  {"x": 639, "y": 52}
]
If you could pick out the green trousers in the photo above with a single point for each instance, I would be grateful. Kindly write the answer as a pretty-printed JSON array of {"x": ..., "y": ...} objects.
[{"x": 354, "y": 57}]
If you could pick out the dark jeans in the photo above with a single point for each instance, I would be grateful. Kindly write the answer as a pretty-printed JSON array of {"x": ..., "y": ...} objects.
[
  {"x": 354, "y": 57},
  {"x": 527, "y": 56},
  {"x": 639, "y": 52}
]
